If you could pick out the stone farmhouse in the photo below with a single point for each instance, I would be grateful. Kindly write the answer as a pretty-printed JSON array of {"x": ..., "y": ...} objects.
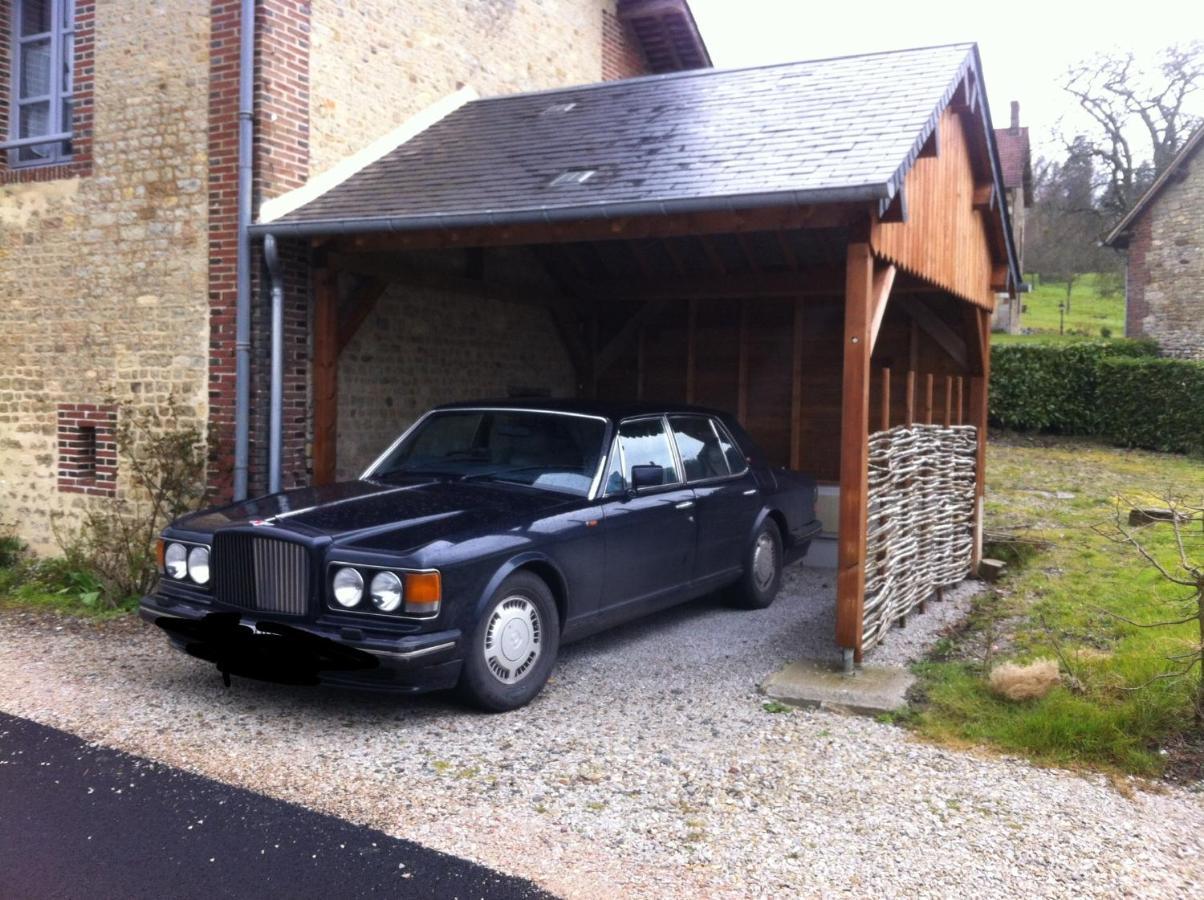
[
  {"x": 122, "y": 240},
  {"x": 1163, "y": 240},
  {"x": 1016, "y": 163}
]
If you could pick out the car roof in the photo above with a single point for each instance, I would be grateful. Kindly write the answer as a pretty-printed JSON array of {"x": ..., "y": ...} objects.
[{"x": 607, "y": 409}]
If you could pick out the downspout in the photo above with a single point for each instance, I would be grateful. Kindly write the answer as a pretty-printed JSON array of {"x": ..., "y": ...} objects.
[
  {"x": 242, "y": 333},
  {"x": 276, "y": 391}
]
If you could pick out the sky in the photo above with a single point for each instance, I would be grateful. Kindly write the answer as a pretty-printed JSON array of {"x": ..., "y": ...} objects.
[{"x": 1026, "y": 45}]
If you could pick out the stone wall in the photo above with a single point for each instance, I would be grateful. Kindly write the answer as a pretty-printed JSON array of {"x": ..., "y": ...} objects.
[
  {"x": 103, "y": 275},
  {"x": 1165, "y": 278},
  {"x": 420, "y": 348},
  {"x": 375, "y": 63}
]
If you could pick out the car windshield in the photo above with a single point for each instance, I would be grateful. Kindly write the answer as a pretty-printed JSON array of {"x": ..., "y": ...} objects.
[{"x": 552, "y": 451}]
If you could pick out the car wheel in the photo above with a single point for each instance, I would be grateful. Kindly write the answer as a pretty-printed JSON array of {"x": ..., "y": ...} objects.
[
  {"x": 513, "y": 647},
  {"x": 762, "y": 576}
]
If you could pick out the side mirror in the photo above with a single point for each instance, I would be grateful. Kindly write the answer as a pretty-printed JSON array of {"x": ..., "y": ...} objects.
[{"x": 646, "y": 476}]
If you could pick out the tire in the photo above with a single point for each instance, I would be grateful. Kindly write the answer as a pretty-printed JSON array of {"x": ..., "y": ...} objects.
[
  {"x": 513, "y": 648},
  {"x": 762, "y": 577}
]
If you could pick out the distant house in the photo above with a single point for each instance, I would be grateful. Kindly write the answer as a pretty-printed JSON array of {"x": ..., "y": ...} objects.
[
  {"x": 1015, "y": 160},
  {"x": 1163, "y": 240}
]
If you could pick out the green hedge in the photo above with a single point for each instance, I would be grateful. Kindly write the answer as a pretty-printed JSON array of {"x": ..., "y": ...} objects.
[
  {"x": 1053, "y": 387},
  {"x": 1119, "y": 390},
  {"x": 1157, "y": 404}
]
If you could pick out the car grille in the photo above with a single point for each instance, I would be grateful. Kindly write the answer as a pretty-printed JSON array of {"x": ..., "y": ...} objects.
[{"x": 262, "y": 574}]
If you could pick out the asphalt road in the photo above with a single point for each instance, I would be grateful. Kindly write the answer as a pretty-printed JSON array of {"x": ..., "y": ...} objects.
[{"x": 78, "y": 820}]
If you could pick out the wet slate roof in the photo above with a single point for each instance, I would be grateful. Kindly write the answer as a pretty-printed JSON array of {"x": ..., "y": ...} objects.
[{"x": 829, "y": 130}]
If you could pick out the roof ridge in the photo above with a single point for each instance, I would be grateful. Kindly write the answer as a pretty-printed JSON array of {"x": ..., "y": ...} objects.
[{"x": 715, "y": 71}]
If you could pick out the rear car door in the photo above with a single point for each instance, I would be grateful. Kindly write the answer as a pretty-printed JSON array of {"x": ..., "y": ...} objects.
[
  {"x": 650, "y": 534},
  {"x": 726, "y": 496}
]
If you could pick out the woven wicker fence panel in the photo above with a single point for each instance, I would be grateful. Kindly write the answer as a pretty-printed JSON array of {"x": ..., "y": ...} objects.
[{"x": 921, "y": 519}]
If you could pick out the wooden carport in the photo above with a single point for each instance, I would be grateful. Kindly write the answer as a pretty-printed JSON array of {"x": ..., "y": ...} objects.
[{"x": 817, "y": 322}]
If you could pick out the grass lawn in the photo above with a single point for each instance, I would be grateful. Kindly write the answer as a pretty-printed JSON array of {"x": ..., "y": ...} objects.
[
  {"x": 1060, "y": 599},
  {"x": 1089, "y": 313}
]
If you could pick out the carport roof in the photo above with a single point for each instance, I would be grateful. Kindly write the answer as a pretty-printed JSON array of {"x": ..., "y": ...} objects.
[{"x": 821, "y": 131}]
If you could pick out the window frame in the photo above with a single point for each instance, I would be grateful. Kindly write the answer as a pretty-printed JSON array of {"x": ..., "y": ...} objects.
[
  {"x": 721, "y": 432},
  {"x": 617, "y": 452},
  {"x": 61, "y": 37}
]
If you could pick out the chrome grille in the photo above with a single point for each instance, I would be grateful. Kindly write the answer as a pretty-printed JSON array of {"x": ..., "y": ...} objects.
[{"x": 261, "y": 574}]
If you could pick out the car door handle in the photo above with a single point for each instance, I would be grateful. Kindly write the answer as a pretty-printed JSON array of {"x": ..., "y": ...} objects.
[
  {"x": 684, "y": 504},
  {"x": 750, "y": 492}
]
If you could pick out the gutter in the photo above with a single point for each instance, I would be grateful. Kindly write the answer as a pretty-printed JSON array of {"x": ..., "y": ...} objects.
[
  {"x": 600, "y": 211},
  {"x": 242, "y": 333}
]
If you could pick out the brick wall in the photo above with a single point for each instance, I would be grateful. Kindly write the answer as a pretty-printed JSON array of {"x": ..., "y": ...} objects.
[
  {"x": 103, "y": 271},
  {"x": 1165, "y": 279},
  {"x": 87, "y": 449},
  {"x": 621, "y": 54}
]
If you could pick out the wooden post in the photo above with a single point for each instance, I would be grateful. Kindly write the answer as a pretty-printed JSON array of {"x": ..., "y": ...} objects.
[
  {"x": 742, "y": 365},
  {"x": 886, "y": 398},
  {"x": 961, "y": 403},
  {"x": 978, "y": 418},
  {"x": 691, "y": 349},
  {"x": 928, "y": 399},
  {"x": 796, "y": 391},
  {"x": 325, "y": 375},
  {"x": 854, "y": 449},
  {"x": 948, "y": 400},
  {"x": 909, "y": 414}
]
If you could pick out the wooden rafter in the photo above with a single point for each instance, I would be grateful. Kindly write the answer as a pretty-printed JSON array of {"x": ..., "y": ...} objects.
[
  {"x": 357, "y": 307},
  {"x": 607, "y": 356},
  {"x": 809, "y": 282},
  {"x": 934, "y": 326},
  {"x": 884, "y": 280}
]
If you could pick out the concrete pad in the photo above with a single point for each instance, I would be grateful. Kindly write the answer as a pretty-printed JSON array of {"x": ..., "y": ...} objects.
[{"x": 872, "y": 690}]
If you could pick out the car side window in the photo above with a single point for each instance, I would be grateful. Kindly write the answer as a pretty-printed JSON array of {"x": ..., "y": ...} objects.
[
  {"x": 731, "y": 450},
  {"x": 699, "y": 448},
  {"x": 642, "y": 442}
]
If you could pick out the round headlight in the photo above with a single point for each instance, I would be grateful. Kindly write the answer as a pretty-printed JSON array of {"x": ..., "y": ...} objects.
[
  {"x": 175, "y": 561},
  {"x": 198, "y": 564},
  {"x": 386, "y": 591},
  {"x": 348, "y": 587}
]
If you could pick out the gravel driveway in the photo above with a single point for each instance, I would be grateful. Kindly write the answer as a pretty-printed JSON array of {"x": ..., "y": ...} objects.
[{"x": 647, "y": 768}]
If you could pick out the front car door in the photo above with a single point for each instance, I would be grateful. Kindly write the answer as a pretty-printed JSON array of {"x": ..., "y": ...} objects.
[
  {"x": 726, "y": 495},
  {"x": 650, "y": 534}
]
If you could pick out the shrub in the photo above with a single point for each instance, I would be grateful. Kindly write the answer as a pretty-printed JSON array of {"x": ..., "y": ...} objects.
[
  {"x": 111, "y": 549},
  {"x": 1053, "y": 387},
  {"x": 1155, "y": 404}
]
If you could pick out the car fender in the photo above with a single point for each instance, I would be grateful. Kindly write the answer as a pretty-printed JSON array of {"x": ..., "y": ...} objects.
[{"x": 509, "y": 567}]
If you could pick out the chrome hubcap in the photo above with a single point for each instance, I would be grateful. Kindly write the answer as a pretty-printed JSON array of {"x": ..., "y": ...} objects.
[
  {"x": 513, "y": 639},
  {"x": 764, "y": 563}
]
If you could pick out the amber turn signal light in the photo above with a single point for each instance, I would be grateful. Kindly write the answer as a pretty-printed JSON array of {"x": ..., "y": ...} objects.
[
  {"x": 161, "y": 555},
  {"x": 423, "y": 592}
]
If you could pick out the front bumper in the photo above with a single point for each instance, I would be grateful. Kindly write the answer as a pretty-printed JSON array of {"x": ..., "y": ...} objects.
[{"x": 240, "y": 643}]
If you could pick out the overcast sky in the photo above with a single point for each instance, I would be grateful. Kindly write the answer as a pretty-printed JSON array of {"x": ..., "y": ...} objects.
[{"x": 1026, "y": 45}]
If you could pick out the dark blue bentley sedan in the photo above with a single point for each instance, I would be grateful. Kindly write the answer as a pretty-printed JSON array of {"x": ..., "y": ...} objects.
[{"x": 486, "y": 536}]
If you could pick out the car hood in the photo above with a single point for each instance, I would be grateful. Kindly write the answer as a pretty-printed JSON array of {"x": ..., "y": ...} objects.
[{"x": 399, "y": 515}]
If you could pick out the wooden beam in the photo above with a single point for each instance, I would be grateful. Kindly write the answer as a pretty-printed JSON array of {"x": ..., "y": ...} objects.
[
  {"x": 854, "y": 449},
  {"x": 325, "y": 375},
  {"x": 928, "y": 399},
  {"x": 884, "y": 280},
  {"x": 960, "y": 400},
  {"x": 909, "y": 413},
  {"x": 568, "y": 327},
  {"x": 796, "y": 389},
  {"x": 607, "y": 229},
  {"x": 747, "y": 252},
  {"x": 607, "y": 356},
  {"x": 788, "y": 254},
  {"x": 383, "y": 266},
  {"x": 712, "y": 254},
  {"x": 932, "y": 146},
  {"x": 356, "y": 309},
  {"x": 948, "y": 420},
  {"x": 706, "y": 286},
  {"x": 984, "y": 198},
  {"x": 934, "y": 326},
  {"x": 1000, "y": 278}
]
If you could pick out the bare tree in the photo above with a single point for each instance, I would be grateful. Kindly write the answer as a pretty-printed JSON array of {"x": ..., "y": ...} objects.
[
  {"x": 1141, "y": 115},
  {"x": 1182, "y": 570}
]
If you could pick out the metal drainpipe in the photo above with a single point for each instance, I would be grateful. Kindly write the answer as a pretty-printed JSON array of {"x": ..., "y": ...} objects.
[
  {"x": 242, "y": 333},
  {"x": 272, "y": 258}
]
